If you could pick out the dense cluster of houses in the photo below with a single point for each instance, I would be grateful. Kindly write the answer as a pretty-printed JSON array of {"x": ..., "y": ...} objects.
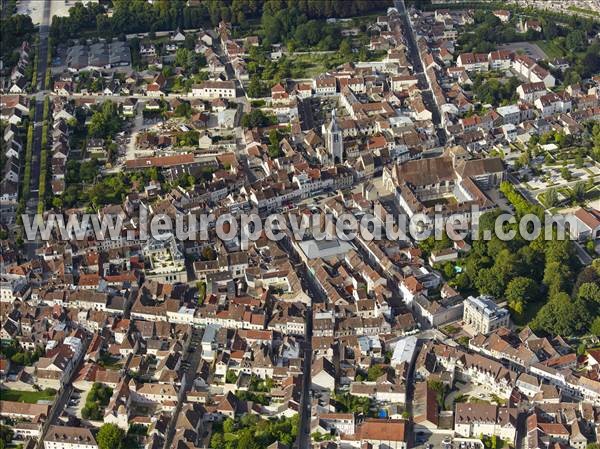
[
  {"x": 18, "y": 81},
  {"x": 14, "y": 110},
  {"x": 189, "y": 333}
]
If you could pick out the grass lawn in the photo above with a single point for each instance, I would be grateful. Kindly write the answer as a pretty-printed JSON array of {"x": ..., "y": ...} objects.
[
  {"x": 201, "y": 292},
  {"x": 308, "y": 66},
  {"x": 450, "y": 329},
  {"x": 473, "y": 400},
  {"x": 551, "y": 49},
  {"x": 446, "y": 200},
  {"x": 461, "y": 398},
  {"x": 109, "y": 362},
  {"x": 31, "y": 397},
  {"x": 582, "y": 10}
]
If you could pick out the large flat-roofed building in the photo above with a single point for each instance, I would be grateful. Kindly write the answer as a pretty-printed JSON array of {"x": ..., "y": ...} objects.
[
  {"x": 405, "y": 351},
  {"x": 315, "y": 249},
  {"x": 98, "y": 56},
  {"x": 483, "y": 315}
]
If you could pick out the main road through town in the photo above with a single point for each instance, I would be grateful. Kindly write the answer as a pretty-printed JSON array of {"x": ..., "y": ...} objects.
[
  {"x": 32, "y": 201},
  {"x": 413, "y": 50}
]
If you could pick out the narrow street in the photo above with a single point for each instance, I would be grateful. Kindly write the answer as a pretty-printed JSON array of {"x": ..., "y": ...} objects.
[
  {"x": 230, "y": 74},
  {"x": 62, "y": 397},
  {"x": 303, "y": 440},
  {"x": 305, "y": 418},
  {"x": 191, "y": 359},
  {"x": 426, "y": 93},
  {"x": 32, "y": 201}
]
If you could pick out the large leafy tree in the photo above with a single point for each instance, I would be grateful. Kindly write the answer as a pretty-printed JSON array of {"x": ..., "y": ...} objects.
[
  {"x": 587, "y": 275},
  {"x": 489, "y": 282},
  {"x": 106, "y": 122},
  {"x": 562, "y": 316},
  {"x": 557, "y": 277},
  {"x": 595, "y": 328},
  {"x": 110, "y": 436},
  {"x": 6, "y": 436},
  {"x": 520, "y": 292}
]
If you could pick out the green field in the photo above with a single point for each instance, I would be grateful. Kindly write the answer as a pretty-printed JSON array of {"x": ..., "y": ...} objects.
[
  {"x": 551, "y": 49},
  {"x": 308, "y": 65},
  {"x": 304, "y": 65},
  {"x": 31, "y": 397},
  {"x": 583, "y": 10}
]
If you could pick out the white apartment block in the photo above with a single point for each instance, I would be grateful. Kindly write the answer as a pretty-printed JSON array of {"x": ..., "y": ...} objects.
[{"x": 214, "y": 89}]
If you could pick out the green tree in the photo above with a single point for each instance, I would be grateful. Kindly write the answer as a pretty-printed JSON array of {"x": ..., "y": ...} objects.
[
  {"x": 375, "y": 372},
  {"x": 228, "y": 425},
  {"x": 6, "y": 436},
  {"x": 449, "y": 271},
  {"x": 551, "y": 197},
  {"x": 595, "y": 328},
  {"x": 184, "y": 58},
  {"x": 91, "y": 411},
  {"x": 110, "y": 436},
  {"x": 521, "y": 291},
  {"x": 257, "y": 118},
  {"x": 579, "y": 190},
  {"x": 231, "y": 377},
  {"x": 507, "y": 265},
  {"x": 565, "y": 173},
  {"x": 489, "y": 282},
  {"x": 587, "y": 275},
  {"x": 345, "y": 47},
  {"x": 183, "y": 110},
  {"x": 559, "y": 251},
  {"x": 256, "y": 88},
  {"x": 247, "y": 440},
  {"x": 532, "y": 261},
  {"x": 557, "y": 277},
  {"x": 589, "y": 292},
  {"x": 576, "y": 40},
  {"x": 106, "y": 121},
  {"x": 217, "y": 441},
  {"x": 441, "y": 391},
  {"x": 208, "y": 253},
  {"x": 561, "y": 316},
  {"x": 88, "y": 170}
]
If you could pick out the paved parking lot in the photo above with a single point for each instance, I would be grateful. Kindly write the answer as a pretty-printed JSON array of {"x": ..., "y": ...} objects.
[
  {"x": 76, "y": 402},
  {"x": 424, "y": 439},
  {"x": 525, "y": 47}
]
